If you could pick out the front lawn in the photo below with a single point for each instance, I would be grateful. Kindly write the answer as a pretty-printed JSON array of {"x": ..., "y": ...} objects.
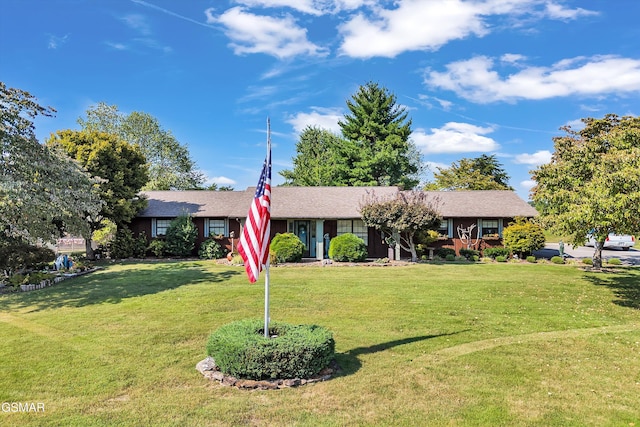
[{"x": 465, "y": 344}]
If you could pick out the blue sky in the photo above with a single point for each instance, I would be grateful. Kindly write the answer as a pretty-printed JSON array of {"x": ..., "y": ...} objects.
[{"x": 477, "y": 77}]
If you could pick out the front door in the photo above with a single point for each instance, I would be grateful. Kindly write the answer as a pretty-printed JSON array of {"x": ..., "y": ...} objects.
[{"x": 305, "y": 230}]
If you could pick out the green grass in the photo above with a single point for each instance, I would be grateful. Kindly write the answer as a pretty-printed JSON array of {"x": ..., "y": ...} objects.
[{"x": 465, "y": 344}]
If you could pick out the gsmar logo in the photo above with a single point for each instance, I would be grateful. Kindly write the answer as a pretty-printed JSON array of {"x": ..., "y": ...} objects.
[{"x": 22, "y": 407}]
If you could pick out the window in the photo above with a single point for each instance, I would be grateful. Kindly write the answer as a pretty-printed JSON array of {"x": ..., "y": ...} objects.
[
  {"x": 490, "y": 228},
  {"x": 355, "y": 226},
  {"x": 217, "y": 227},
  {"x": 161, "y": 227},
  {"x": 444, "y": 229}
]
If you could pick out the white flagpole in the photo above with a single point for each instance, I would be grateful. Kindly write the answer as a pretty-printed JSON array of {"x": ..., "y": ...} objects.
[{"x": 266, "y": 268}]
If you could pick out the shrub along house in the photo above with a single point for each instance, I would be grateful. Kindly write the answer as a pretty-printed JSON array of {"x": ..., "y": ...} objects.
[{"x": 317, "y": 214}]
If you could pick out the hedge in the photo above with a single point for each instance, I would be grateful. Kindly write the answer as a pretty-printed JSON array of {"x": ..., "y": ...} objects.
[
  {"x": 297, "y": 351},
  {"x": 347, "y": 247}
]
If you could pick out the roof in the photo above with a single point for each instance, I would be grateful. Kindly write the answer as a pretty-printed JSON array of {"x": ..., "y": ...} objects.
[{"x": 326, "y": 203}]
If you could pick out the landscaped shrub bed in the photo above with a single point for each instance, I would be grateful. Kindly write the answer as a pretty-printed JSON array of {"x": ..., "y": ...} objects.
[{"x": 294, "y": 351}]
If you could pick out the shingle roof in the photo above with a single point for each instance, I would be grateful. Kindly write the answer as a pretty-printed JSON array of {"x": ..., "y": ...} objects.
[{"x": 327, "y": 203}]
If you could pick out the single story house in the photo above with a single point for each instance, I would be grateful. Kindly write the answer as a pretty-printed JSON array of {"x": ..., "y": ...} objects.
[{"x": 317, "y": 214}]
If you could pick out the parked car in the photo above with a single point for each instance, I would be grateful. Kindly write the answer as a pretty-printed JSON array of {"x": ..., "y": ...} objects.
[{"x": 622, "y": 241}]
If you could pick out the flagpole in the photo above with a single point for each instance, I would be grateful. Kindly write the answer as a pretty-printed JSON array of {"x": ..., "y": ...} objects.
[{"x": 266, "y": 269}]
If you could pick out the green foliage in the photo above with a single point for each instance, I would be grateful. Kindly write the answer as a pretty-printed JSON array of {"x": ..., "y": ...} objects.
[
  {"x": 469, "y": 253},
  {"x": 317, "y": 161},
  {"x": 591, "y": 184},
  {"x": 587, "y": 261},
  {"x": 614, "y": 261},
  {"x": 158, "y": 247},
  {"x": 169, "y": 163},
  {"x": 16, "y": 254},
  {"x": 377, "y": 148},
  {"x": 43, "y": 193},
  {"x": 443, "y": 252},
  {"x": 557, "y": 260},
  {"x": 450, "y": 257},
  {"x": 496, "y": 252},
  {"x": 181, "y": 236},
  {"x": 106, "y": 232},
  {"x": 287, "y": 247},
  {"x": 531, "y": 259},
  {"x": 401, "y": 217},
  {"x": 523, "y": 236},
  {"x": 298, "y": 351},
  {"x": 125, "y": 245},
  {"x": 347, "y": 247},
  {"x": 480, "y": 173},
  {"x": 501, "y": 258},
  {"x": 210, "y": 249}
]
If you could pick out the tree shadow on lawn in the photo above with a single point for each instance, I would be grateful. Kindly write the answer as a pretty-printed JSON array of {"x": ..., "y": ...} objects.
[
  {"x": 350, "y": 363},
  {"x": 114, "y": 286},
  {"x": 625, "y": 285}
]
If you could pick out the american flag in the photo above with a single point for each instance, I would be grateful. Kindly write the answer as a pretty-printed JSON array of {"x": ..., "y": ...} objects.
[{"x": 254, "y": 242}]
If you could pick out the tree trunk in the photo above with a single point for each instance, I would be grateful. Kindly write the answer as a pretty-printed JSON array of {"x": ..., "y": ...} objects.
[
  {"x": 89, "y": 249},
  {"x": 597, "y": 254}
]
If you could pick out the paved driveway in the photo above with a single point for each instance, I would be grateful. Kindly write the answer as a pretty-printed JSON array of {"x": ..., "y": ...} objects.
[{"x": 630, "y": 257}]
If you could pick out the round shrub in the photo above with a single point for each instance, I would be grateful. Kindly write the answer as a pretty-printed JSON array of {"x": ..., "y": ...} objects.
[
  {"x": 287, "y": 247},
  {"x": 469, "y": 253},
  {"x": 210, "y": 249},
  {"x": 501, "y": 258},
  {"x": 443, "y": 252},
  {"x": 294, "y": 351},
  {"x": 450, "y": 257},
  {"x": 614, "y": 261},
  {"x": 496, "y": 252},
  {"x": 158, "y": 247},
  {"x": 557, "y": 260},
  {"x": 587, "y": 261},
  {"x": 347, "y": 247},
  {"x": 181, "y": 236},
  {"x": 531, "y": 259}
]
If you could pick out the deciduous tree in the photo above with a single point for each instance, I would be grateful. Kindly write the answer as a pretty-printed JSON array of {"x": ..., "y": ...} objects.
[
  {"x": 169, "y": 162},
  {"x": 120, "y": 168},
  {"x": 480, "y": 173},
  {"x": 402, "y": 216},
  {"x": 591, "y": 184},
  {"x": 43, "y": 193},
  {"x": 317, "y": 162}
]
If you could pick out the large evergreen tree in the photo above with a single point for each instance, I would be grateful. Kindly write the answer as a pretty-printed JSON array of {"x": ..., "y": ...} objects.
[
  {"x": 480, "y": 173},
  {"x": 591, "y": 186},
  {"x": 377, "y": 146},
  {"x": 169, "y": 163}
]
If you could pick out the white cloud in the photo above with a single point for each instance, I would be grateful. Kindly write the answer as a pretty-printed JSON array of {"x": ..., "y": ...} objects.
[
  {"x": 535, "y": 159},
  {"x": 413, "y": 25},
  {"x": 56, "y": 41},
  {"x": 137, "y": 22},
  {"x": 476, "y": 79},
  {"x": 219, "y": 180},
  {"x": 455, "y": 137},
  {"x": 576, "y": 124},
  {"x": 557, "y": 11},
  {"x": 250, "y": 33},
  {"x": 306, "y": 6},
  {"x": 325, "y": 118},
  {"x": 512, "y": 58},
  {"x": 527, "y": 184}
]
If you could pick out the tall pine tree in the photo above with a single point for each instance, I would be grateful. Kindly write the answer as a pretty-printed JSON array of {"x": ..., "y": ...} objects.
[{"x": 377, "y": 145}]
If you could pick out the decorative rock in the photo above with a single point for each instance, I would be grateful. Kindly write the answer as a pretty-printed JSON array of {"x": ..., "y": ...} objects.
[{"x": 208, "y": 368}]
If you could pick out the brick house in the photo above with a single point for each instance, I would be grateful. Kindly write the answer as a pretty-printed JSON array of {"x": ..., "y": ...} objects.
[{"x": 317, "y": 214}]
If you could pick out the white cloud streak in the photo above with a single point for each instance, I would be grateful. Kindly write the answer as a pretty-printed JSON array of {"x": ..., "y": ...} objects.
[
  {"x": 476, "y": 79},
  {"x": 324, "y": 118},
  {"x": 536, "y": 159}
]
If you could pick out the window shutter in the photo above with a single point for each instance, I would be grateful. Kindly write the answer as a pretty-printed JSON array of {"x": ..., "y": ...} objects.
[
  {"x": 479, "y": 227},
  {"x": 154, "y": 228},
  {"x": 450, "y": 228},
  {"x": 206, "y": 228},
  {"x": 500, "y": 226}
]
